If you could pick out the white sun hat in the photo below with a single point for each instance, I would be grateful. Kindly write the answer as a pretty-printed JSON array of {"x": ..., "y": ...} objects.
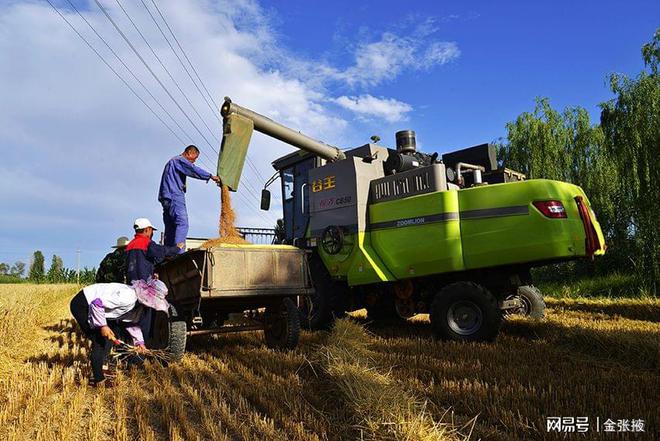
[{"x": 141, "y": 223}]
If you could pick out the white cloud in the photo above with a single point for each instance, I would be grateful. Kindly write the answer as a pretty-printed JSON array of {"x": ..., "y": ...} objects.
[
  {"x": 440, "y": 52},
  {"x": 373, "y": 62},
  {"x": 389, "y": 109},
  {"x": 380, "y": 61},
  {"x": 385, "y": 59}
]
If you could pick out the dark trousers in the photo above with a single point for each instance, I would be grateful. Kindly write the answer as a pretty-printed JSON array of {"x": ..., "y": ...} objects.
[
  {"x": 100, "y": 346},
  {"x": 145, "y": 324}
]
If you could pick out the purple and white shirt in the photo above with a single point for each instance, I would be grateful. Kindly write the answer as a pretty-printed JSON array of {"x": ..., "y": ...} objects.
[{"x": 114, "y": 301}]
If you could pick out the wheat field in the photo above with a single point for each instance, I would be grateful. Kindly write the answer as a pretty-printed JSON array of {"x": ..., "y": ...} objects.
[{"x": 592, "y": 358}]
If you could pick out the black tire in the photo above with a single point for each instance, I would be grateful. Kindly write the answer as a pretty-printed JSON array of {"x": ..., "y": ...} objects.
[
  {"x": 168, "y": 334},
  {"x": 177, "y": 344},
  {"x": 319, "y": 309},
  {"x": 282, "y": 325},
  {"x": 465, "y": 311},
  {"x": 533, "y": 305}
]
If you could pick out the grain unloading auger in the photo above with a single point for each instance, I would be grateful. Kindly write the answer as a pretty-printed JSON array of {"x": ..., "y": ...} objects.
[{"x": 402, "y": 232}]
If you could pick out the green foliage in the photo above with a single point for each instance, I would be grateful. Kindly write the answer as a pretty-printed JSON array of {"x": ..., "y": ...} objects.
[
  {"x": 56, "y": 268},
  {"x": 8, "y": 278},
  {"x": 617, "y": 163},
  {"x": 651, "y": 53},
  {"x": 615, "y": 285},
  {"x": 631, "y": 123},
  {"x": 17, "y": 269},
  {"x": 56, "y": 274},
  {"x": 4, "y": 268},
  {"x": 36, "y": 273}
]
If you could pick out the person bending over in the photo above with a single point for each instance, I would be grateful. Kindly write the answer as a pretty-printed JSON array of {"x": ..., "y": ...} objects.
[{"x": 103, "y": 309}]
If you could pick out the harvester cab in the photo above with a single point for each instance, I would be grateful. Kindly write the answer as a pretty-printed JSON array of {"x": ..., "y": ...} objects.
[{"x": 401, "y": 232}]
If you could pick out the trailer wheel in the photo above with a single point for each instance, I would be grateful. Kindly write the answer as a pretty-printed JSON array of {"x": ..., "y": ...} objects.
[
  {"x": 177, "y": 346},
  {"x": 169, "y": 335},
  {"x": 465, "y": 311},
  {"x": 282, "y": 325},
  {"x": 533, "y": 305}
]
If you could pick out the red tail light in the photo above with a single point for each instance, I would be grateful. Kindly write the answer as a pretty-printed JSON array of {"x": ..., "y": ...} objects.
[{"x": 552, "y": 209}]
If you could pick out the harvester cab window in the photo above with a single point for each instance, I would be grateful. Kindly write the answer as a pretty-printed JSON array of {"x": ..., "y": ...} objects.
[
  {"x": 296, "y": 199},
  {"x": 287, "y": 180}
]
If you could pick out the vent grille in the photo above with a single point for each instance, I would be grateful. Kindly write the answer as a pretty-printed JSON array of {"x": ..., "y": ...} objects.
[{"x": 404, "y": 184}]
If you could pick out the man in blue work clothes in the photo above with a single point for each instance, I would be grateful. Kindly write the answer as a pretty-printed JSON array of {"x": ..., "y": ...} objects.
[{"x": 172, "y": 193}]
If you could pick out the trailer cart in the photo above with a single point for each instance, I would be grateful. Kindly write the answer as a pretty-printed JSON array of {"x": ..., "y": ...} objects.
[{"x": 232, "y": 288}]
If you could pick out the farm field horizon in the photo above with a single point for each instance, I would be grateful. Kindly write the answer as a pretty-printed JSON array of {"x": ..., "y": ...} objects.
[{"x": 589, "y": 358}]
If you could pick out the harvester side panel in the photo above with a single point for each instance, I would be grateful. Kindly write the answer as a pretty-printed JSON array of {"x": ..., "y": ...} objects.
[
  {"x": 418, "y": 235},
  {"x": 452, "y": 231},
  {"x": 339, "y": 197},
  {"x": 501, "y": 226}
]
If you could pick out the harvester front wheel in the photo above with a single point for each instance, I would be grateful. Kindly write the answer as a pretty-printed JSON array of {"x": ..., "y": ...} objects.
[
  {"x": 318, "y": 310},
  {"x": 465, "y": 311},
  {"x": 384, "y": 309},
  {"x": 282, "y": 325}
]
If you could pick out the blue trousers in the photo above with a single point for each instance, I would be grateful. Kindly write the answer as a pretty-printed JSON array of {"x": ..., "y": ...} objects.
[{"x": 175, "y": 218}]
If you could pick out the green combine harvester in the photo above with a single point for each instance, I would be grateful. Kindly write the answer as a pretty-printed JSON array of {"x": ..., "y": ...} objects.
[{"x": 401, "y": 232}]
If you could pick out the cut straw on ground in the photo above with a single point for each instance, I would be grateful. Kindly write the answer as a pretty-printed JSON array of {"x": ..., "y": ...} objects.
[
  {"x": 390, "y": 382},
  {"x": 382, "y": 409}
]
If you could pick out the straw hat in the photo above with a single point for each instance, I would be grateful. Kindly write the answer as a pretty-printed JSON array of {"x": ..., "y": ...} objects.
[{"x": 122, "y": 242}]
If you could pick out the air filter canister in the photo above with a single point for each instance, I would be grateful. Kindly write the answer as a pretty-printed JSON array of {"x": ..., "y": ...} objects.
[{"x": 405, "y": 141}]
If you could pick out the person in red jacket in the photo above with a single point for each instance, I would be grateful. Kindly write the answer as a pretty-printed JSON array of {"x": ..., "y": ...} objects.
[{"x": 142, "y": 253}]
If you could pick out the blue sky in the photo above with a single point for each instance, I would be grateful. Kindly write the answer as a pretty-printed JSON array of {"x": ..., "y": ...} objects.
[{"x": 82, "y": 157}]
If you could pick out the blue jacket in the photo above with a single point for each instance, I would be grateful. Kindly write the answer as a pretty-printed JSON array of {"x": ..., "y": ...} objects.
[
  {"x": 173, "y": 181},
  {"x": 142, "y": 254}
]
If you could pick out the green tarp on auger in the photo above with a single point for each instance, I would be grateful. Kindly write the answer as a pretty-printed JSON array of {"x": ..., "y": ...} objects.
[{"x": 235, "y": 142}]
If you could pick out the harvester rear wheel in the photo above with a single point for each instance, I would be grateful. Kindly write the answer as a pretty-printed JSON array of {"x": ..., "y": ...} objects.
[
  {"x": 533, "y": 305},
  {"x": 465, "y": 311},
  {"x": 282, "y": 325}
]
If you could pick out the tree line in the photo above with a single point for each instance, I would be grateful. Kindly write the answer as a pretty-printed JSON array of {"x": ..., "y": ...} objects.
[
  {"x": 37, "y": 273},
  {"x": 616, "y": 161}
]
